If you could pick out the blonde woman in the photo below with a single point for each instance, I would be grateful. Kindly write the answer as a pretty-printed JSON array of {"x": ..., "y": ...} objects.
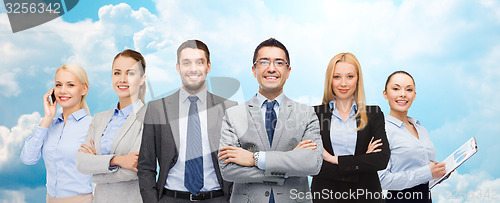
[
  {"x": 353, "y": 135},
  {"x": 57, "y": 140},
  {"x": 112, "y": 144}
]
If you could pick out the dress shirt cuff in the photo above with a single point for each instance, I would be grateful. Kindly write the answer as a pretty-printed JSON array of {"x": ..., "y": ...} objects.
[
  {"x": 112, "y": 167},
  {"x": 425, "y": 173},
  {"x": 261, "y": 164}
]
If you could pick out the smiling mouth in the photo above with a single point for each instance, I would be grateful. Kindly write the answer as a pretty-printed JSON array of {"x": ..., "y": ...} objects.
[
  {"x": 123, "y": 87},
  {"x": 343, "y": 90},
  {"x": 271, "y": 77},
  {"x": 401, "y": 102},
  {"x": 64, "y": 98}
]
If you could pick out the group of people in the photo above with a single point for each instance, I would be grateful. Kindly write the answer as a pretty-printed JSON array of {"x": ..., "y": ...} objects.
[{"x": 210, "y": 149}]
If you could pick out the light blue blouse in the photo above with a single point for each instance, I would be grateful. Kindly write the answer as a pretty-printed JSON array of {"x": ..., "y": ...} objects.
[
  {"x": 410, "y": 156},
  {"x": 58, "y": 145},
  {"x": 114, "y": 125},
  {"x": 343, "y": 134}
]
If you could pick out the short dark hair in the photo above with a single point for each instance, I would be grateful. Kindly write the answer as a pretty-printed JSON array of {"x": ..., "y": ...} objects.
[
  {"x": 397, "y": 72},
  {"x": 194, "y": 44},
  {"x": 271, "y": 42}
]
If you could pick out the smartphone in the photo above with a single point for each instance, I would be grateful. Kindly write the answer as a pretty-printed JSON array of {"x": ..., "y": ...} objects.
[{"x": 52, "y": 98}]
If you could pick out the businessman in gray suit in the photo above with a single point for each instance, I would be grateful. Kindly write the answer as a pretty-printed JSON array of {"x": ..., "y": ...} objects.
[
  {"x": 182, "y": 133},
  {"x": 270, "y": 144}
]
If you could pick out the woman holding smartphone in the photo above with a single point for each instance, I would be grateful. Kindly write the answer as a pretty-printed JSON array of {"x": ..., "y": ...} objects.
[
  {"x": 57, "y": 140},
  {"x": 410, "y": 167},
  {"x": 354, "y": 139},
  {"x": 113, "y": 141}
]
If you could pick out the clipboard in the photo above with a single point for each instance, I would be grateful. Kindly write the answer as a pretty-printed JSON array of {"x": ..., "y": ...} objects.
[{"x": 456, "y": 159}]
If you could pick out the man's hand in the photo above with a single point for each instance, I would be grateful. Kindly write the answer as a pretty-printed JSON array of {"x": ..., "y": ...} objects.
[
  {"x": 236, "y": 155},
  {"x": 306, "y": 144}
]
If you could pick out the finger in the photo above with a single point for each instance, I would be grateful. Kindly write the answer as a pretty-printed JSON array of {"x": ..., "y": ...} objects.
[
  {"x": 377, "y": 145},
  {"x": 377, "y": 141},
  {"x": 85, "y": 147},
  {"x": 135, "y": 169},
  {"x": 371, "y": 140},
  {"x": 309, "y": 145},
  {"x": 377, "y": 150},
  {"x": 136, "y": 153},
  {"x": 93, "y": 145}
]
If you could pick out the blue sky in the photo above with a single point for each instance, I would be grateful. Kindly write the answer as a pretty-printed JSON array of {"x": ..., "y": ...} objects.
[{"x": 452, "y": 48}]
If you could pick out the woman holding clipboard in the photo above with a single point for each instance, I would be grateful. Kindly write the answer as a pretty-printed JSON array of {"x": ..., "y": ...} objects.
[{"x": 410, "y": 167}]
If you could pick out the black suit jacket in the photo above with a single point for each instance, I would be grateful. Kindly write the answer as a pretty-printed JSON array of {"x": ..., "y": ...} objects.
[
  {"x": 160, "y": 142},
  {"x": 358, "y": 170}
]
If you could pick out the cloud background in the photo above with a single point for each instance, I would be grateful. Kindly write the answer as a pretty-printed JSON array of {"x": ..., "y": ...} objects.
[{"x": 451, "y": 47}]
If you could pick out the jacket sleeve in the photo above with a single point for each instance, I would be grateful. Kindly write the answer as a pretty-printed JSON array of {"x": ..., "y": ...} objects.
[
  {"x": 301, "y": 162},
  {"x": 146, "y": 165},
  {"x": 236, "y": 173},
  {"x": 371, "y": 162}
]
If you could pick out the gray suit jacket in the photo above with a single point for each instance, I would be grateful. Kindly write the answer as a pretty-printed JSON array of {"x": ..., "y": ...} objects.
[
  {"x": 117, "y": 185},
  {"x": 286, "y": 169},
  {"x": 160, "y": 142}
]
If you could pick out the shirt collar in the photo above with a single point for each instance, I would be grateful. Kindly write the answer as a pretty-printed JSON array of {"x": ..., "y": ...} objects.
[
  {"x": 77, "y": 115},
  {"x": 125, "y": 111},
  {"x": 354, "y": 106},
  {"x": 202, "y": 95},
  {"x": 261, "y": 99},
  {"x": 399, "y": 123}
]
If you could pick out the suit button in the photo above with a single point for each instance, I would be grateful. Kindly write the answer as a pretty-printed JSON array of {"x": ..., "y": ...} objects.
[
  {"x": 357, "y": 167},
  {"x": 267, "y": 193}
]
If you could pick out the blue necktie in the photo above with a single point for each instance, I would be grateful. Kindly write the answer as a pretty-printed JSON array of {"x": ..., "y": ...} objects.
[
  {"x": 193, "y": 175},
  {"x": 271, "y": 120}
]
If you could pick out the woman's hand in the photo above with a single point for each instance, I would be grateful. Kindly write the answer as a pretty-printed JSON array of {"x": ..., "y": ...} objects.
[
  {"x": 87, "y": 149},
  {"x": 437, "y": 169},
  {"x": 49, "y": 109},
  {"x": 372, "y": 147},
  {"x": 128, "y": 161},
  {"x": 328, "y": 157},
  {"x": 306, "y": 144}
]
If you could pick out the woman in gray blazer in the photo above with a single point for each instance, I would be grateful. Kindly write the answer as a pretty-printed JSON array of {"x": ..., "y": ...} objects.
[{"x": 114, "y": 137}]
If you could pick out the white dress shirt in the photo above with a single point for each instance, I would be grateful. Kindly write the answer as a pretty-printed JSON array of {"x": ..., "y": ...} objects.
[
  {"x": 261, "y": 164},
  {"x": 175, "y": 180}
]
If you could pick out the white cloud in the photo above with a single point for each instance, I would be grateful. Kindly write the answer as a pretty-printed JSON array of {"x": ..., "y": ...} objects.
[
  {"x": 12, "y": 140},
  {"x": 478, "y": 187}
]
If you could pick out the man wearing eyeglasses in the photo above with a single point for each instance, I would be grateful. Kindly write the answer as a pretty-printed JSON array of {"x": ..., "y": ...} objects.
[{"x": 270, "y": 144}]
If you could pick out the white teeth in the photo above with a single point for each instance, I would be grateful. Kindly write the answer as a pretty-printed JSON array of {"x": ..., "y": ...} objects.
[
  {"x": 271, "y": 77},
  {"x": 402, "y": 102},
  {"x": 122, "y": 87}
]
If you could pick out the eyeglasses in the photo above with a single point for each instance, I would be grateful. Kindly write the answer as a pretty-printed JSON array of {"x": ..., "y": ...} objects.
[{"x": 265, "y": 63}]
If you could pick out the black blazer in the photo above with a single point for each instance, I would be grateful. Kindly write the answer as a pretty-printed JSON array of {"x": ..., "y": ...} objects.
[
  {"x": 359, "y": 169},
  {"x": 160, "y": 142}
]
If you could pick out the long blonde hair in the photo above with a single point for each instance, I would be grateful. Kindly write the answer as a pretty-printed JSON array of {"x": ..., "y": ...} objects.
[
  {"x": 80, "y": 73},
  {"x": 359, "y": 94}
]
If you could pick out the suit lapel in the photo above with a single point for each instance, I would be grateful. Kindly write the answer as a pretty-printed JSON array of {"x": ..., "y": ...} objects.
[
  {"x": 360, "y": 139},
  {"x": 325, "y": 117},
  {"x": 284, "y": 115},
  {"x": 126, "y": 126},
  {"x": 172, "y": 104},
  {"x": 256, "y": 114},
  {"x": 102, "y": 126},
  {"x": 214, "y": 117}
]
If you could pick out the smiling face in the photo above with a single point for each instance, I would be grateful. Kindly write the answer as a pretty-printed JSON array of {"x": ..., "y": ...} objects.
[
  {"x": 69, "y": 90},
  {"x": 400, "y": 92},
  {"x": 271, "y": 79},
  {"x": 193, "y": 68},
  {"x": 127, "y": 78},
  {"x": 345, "y": 80}
]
